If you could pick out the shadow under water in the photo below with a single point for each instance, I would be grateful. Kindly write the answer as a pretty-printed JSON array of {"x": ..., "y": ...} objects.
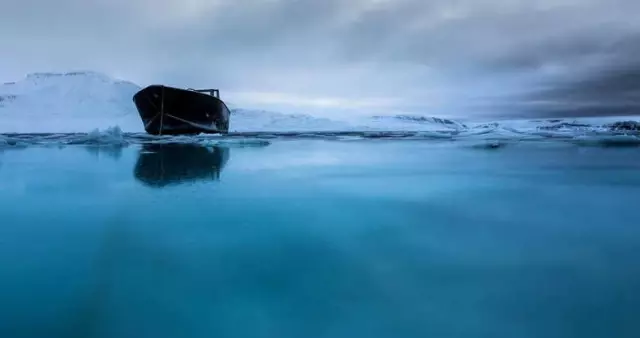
[{"x": 161, "y": 165}]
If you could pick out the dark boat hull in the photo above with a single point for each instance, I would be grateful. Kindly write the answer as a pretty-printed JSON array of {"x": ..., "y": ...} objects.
[{"x": 174, "y": 111}]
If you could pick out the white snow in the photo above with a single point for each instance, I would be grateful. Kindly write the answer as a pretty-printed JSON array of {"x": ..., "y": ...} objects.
[
  {"x": 67, "y": 102},
  {"x": 90, "y": 101},
  {"x": 408, "y": 122},
  {"x": 260, "y": 120}
]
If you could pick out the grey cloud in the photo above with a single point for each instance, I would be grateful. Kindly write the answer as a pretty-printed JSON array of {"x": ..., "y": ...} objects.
[
  {"x": 508, "y": 56},
  {"x": 608, "y": 84}
]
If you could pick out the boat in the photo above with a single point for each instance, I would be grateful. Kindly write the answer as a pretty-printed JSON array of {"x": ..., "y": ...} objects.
[{"x": 168, "y": 110}]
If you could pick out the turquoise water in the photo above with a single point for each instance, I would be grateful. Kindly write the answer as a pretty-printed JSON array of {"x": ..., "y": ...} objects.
[{"x": 312, "y": 238}]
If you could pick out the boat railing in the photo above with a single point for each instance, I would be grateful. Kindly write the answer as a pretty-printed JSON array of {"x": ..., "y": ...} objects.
[{"x": 212, "y": 92}]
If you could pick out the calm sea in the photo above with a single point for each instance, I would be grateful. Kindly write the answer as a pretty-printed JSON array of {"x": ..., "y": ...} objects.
[{"x": 317, "y": 238}]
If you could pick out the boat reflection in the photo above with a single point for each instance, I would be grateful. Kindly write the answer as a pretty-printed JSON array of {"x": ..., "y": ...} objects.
[{"x": 162, "y": 165}]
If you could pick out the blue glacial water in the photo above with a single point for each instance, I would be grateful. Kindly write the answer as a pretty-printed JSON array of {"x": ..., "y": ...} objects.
[{"x": 316, "y": 238}]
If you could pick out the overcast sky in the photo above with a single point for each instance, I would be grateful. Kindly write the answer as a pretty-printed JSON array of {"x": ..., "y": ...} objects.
[{"x": 432, "y": 57}]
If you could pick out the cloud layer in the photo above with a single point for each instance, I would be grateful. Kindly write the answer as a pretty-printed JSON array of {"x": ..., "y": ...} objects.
[{"x": 439, "y": 57}]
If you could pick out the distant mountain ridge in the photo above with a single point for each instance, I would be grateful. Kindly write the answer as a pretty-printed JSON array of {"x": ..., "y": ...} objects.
[{"x": 82, "y": 101}]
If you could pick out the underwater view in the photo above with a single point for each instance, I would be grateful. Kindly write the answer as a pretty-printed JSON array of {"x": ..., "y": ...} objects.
[{"x": 297, "y": 237}]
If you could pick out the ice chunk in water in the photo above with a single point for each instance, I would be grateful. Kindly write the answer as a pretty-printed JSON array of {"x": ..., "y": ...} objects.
[{"x": 110, "y": 136}]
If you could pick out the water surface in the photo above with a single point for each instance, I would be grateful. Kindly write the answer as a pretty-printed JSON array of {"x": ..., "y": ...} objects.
[{"x": 313, "y": 238}]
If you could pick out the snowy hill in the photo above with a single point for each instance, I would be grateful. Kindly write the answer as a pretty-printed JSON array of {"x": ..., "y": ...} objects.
[
  {"x": 260, "y": 120},
  {"x": 67, "y": 102},
  {"x": 85, "y": 101},
  {"x": 413, "y": 122}
]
